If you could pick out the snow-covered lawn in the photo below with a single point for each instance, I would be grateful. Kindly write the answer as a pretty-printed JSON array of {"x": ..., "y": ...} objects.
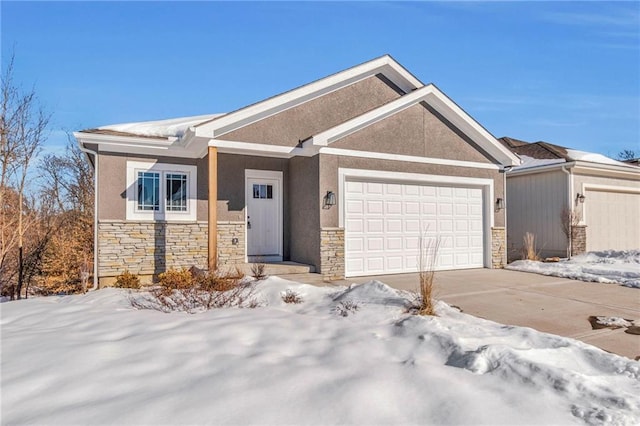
[
  {"x": 93, "y": 359},
  {"x": 618, "y": 267}
]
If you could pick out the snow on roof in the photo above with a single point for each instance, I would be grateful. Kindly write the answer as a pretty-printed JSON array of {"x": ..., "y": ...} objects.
[
  {"x": 592, "y": 157},
  {"x": 571, "y": 155},
  {"x": 173, "y": 127},
  {"x": 528, "y": 162}
]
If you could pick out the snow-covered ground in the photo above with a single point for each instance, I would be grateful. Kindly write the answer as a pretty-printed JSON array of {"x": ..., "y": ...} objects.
[
  {"x": 93, "y": 359},
  {"x": 617, "y": 267}
]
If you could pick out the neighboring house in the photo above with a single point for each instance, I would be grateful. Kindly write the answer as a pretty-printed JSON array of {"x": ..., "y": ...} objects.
[
  {"x": 345, "y": 174},
  {"x": 603, "y": 194}
]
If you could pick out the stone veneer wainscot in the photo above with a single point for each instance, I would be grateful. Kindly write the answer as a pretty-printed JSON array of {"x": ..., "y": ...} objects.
[{"x": 150, "y": 248}]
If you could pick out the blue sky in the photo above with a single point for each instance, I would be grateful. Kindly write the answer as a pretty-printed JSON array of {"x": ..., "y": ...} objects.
[{"x": 563, "y": 72}]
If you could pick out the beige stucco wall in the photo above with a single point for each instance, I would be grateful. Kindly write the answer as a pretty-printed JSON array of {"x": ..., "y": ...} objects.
[
  {"x": 304, "y": 222},
  {"x": 112, "y": 183},
  {"x": 329, "y": 165},
  {"x": 298, "y": 123},
  {"x": 418, "y": 131}
]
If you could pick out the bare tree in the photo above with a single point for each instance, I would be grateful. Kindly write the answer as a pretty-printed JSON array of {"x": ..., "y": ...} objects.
[
  {"x": 23, "y": 124},
  {"x": 627, "y": 154},
  {"x": 568, "y": 219}
]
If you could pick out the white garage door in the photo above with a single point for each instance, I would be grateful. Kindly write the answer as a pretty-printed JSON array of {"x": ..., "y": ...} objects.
[
  {"x": 384, "y": 222},
  {"x": 613, "y": 220}
]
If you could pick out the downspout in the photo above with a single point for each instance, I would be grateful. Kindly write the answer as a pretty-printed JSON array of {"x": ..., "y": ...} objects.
[
  {"x": 506, "y": 170},
  {"x": 95, "y": 213},
  {"x": 570, "y": 203}
]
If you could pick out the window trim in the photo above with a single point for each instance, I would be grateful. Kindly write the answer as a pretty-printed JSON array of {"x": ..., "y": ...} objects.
[{"x": 191, "y": 172}]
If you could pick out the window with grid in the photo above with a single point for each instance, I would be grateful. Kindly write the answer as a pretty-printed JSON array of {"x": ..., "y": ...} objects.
[
  {"x": 176, "y": 192},
  {"x": 148, "y": 191}
]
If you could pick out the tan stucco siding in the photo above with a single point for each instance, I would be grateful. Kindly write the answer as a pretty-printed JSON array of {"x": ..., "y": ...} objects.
[
  {"x": 305, "y": 207},
  {"x": 112, "y": 183},
  {"x": 298, "y": 123},
  {"x": 417, "y": 131},
  {"x": 534, "y": 204},
  {"x": 329, "y": 165}
]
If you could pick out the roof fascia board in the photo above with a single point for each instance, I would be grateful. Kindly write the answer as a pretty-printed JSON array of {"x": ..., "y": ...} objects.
[
  {"x": 133, "y": 145},
  {"x": 578, "y": 167},
  {"x": 540, "y": 169},
  {"x": 438, "y": 100},
  {"x": 261, "y": 150},
  {"x": 406, "y": 158},
  {"x": 384, "y": 65}
]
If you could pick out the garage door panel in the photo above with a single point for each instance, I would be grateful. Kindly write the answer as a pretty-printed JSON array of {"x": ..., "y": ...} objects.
[
  {"x": 612, "y": 219},
  {"x": 386, "y": 221}
]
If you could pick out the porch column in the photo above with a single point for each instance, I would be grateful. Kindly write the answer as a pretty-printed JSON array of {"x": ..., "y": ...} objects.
[{"x": 213, "y": 209}]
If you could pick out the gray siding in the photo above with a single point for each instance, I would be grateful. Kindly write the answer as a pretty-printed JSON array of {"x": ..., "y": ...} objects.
[{"x": 534, "y": 204}]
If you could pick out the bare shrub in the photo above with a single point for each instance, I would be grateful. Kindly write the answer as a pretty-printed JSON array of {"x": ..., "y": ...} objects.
[
  {"x": 346, "y": 307},
  {"x": 197, "y": 290},
  {"x": 569, "y": 219},
  {"x": 291, "y": 296},
  {"x": 127, "y": 280},
  {"x": 427, "y": 266},
  {"x": 529, "y": 251},
  {"x": 258, "y": 271}
]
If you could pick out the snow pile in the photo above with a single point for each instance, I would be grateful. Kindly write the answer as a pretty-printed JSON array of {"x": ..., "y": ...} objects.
[
  {"x": 174, "y": 127},
  {"x": 93, "y": 359},
  {"x": 617, "y": 267},
  {"x": 614, "y": 322}
]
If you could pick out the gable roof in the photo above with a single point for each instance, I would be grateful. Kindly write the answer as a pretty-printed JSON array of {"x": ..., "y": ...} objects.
[
  {"x": 435, "y": 98},
  {"x": 384, "y": 65},
  {"x": 537, "y": 154}
]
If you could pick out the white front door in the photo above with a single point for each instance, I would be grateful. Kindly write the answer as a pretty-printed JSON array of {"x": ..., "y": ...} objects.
[{"x": 264, "y": 215}]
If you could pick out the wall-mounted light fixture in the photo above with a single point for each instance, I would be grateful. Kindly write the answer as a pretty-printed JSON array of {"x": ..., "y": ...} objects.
[
  {"x": 330, "y": 199},
  {"x": 580, "y": 198},
  {"x": 499, "y": 204}
]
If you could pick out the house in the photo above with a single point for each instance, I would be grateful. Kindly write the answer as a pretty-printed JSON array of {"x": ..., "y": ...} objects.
[
  {"x": 345, "y": 174},
  {"x": 602, "y": 194}
]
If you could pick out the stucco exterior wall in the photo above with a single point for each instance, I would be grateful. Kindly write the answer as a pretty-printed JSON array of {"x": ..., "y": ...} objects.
[
  {"x": 298, "y": 123},
  {"x": 304, "y": 222},
  {"x": 112, "y": 183},
  {"x": 534, "y": 204},
  {"x": 418, "y": 131}
]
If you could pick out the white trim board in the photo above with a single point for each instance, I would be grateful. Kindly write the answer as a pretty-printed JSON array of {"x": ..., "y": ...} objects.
[
  {"x": 406, "y": 158},
  {"x": 192, "y": 197},
  {"x": 345, "y": 174}
]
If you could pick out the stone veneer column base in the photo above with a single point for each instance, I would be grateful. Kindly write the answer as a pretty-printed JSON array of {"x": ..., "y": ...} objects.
[
  {"x": 498, "y": 247},
  {"x": 578, "y": 239},
  {"x": 332, "y": 253},
  {"x": 231, "y": 243}
]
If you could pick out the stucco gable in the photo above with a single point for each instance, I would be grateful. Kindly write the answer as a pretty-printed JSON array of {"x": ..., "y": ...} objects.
[
  {"x": 417, "y": 131},
  {"x": 295, "y": 124}
]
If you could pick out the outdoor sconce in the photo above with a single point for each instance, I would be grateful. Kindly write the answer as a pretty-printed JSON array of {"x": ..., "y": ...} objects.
[
  {"x": 330, "y": 199},
  {"x": 499, "y": 204},
  {"x": 580, "y": 198}
]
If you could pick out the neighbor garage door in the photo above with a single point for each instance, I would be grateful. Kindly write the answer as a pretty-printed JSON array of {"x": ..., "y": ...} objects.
[
  {"x": 384, "y": 222},
  {"x": 613, "y": 220}
]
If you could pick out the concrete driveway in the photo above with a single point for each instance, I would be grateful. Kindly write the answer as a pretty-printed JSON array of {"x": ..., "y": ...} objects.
[{"x": 550, "y": 304}]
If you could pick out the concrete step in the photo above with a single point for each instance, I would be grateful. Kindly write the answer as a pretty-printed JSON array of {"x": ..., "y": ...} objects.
[{"x": 276, "y": 268}]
